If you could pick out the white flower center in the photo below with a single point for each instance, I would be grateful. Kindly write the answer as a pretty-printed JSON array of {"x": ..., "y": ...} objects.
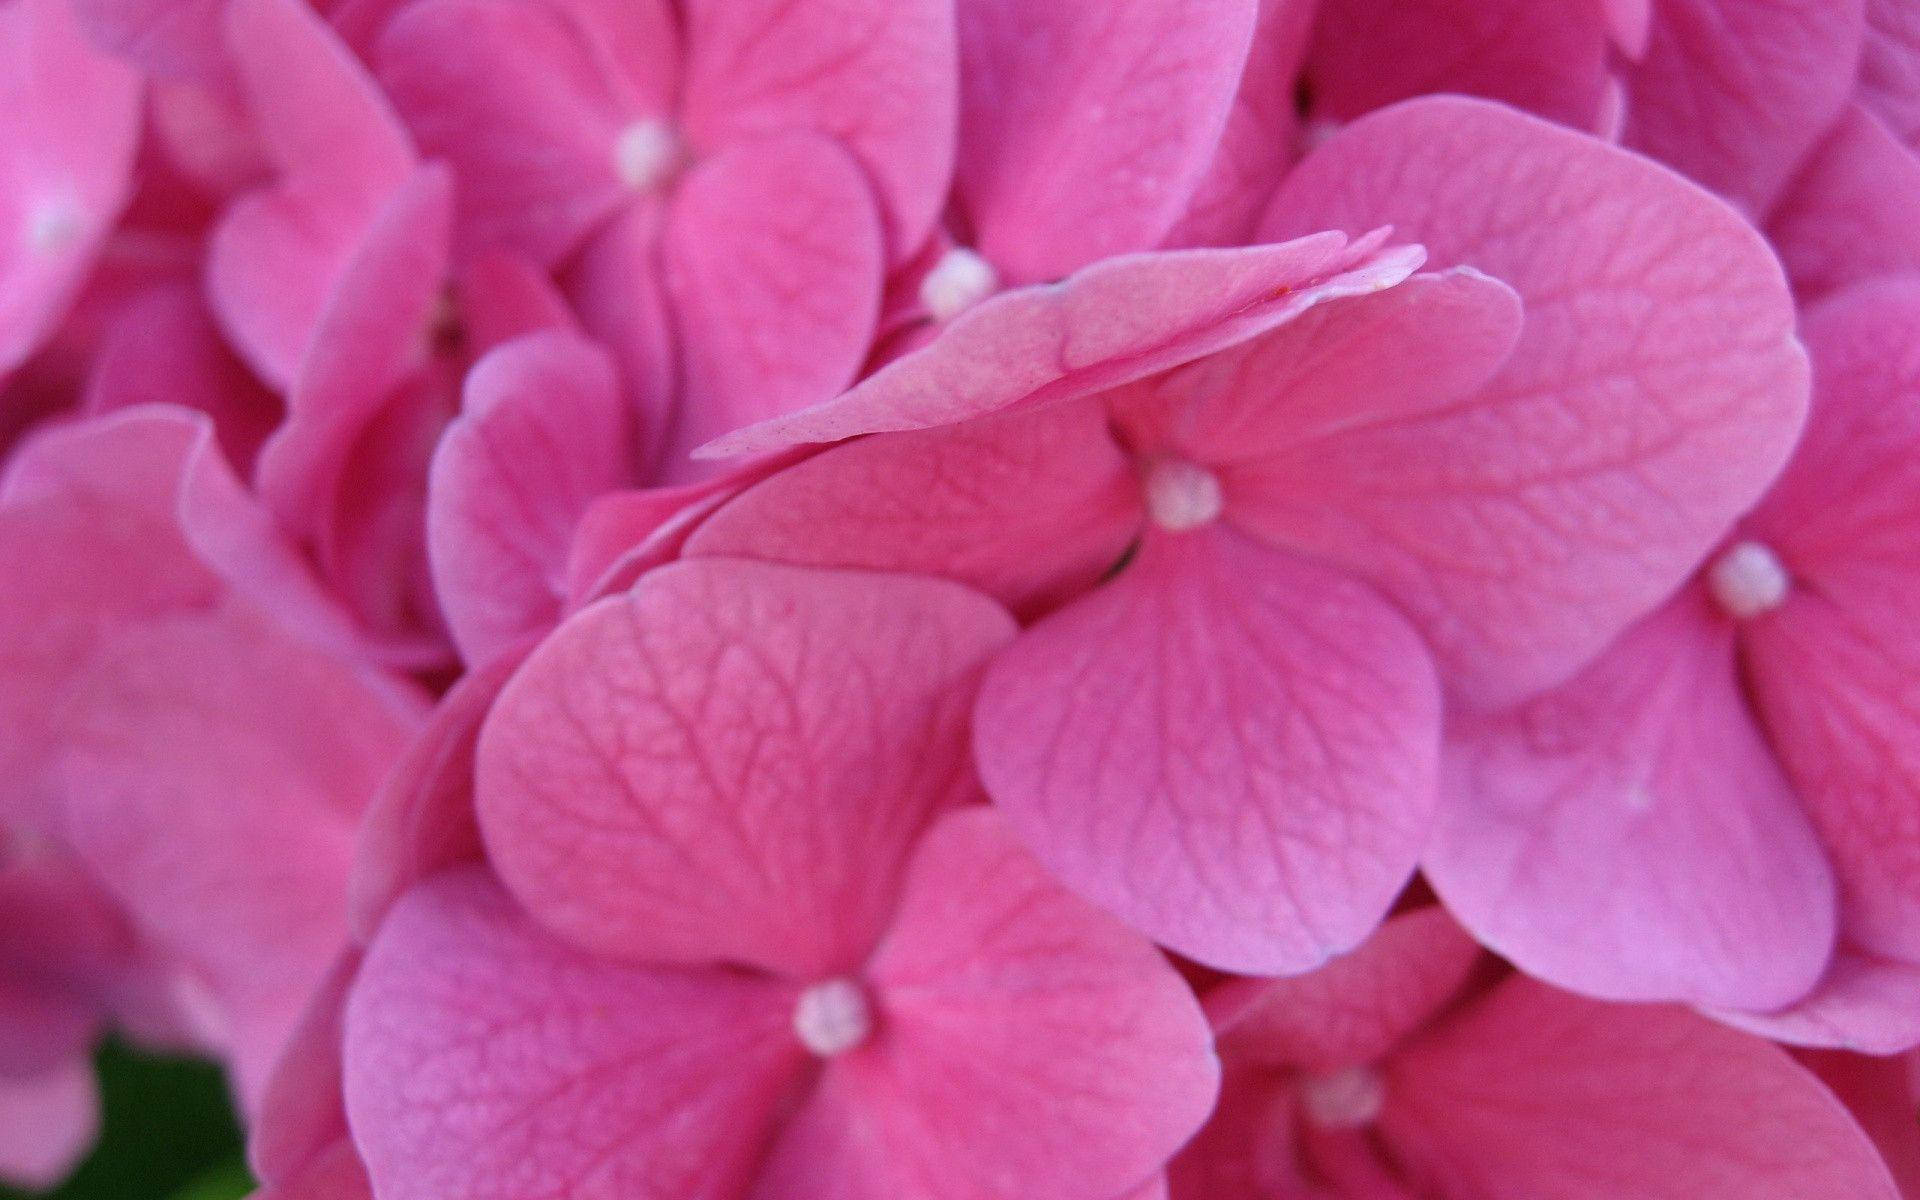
[
  {"x": 1182, "y": 495},
  {"x": 1747, "y": 580},
  {"x": 960, "y": 280},
  {"x": 833, "y": 1017},
  {"x": 1350, "y": 1098},
  {"x": 646, "y": 155}
]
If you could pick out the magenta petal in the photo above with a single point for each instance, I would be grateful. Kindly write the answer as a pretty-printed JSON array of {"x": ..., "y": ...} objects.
[
  {"x": 488, "y": 1061},
  {"x": 1832, "y": 668},
  {"x": 880, "y": 76},
  {"x": 1656, "y": 389},
  {"x": 1890, "y": 67},
  {"x": 69, "y": 125},
  {"x": 1231, "y": 748},
  {"x": 1630, "y": 835},
  {"x": 1001, "y": 995},
  {"x": 171, "y": 39},
  {"x": 773, "y": 264},
  {"x": 1358, "y": 1007},
  {"x": 47, "y": 1123},
  {"x": 730, "y": 762},
  {"x": 1779, "y": 71},
  {"x": 1116, "y": 321},
  {"x": 1537, "y": 1093},
  {"x": 1549, "y": 59},
  {"x": 515, "y": 98},
  {"x": 543, "y": 430},
  {"x": 1031, "y": 507},
  {"x": 1087, "y": 126},
  {"x": 1848, "y": 217}
]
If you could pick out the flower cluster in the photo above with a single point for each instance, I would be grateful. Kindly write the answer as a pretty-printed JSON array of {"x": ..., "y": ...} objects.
[{"x": 968, "y": 599}]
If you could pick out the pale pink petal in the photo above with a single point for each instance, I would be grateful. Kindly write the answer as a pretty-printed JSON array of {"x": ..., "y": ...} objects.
[
  {"x": 278, "y": 255},
  {"x": 1231, "y": 748},
  {"x": 1258, "y": 144},
  {"x": 1537, "y": 1093},
  {"x": 1087, "y": 126},
  {"x": 1355, "y": 1009},
  {"x": 1001, "y": 996},
  {"x": 772, "y": 263},
  {"x": 1656, "y": 389},
  {"x": 1734, "y": 93},
  {"x": 1630, "y": 834},
  {"x": 1833, "y": 668},
  {"x": 1114, "y": 322},
  {"x": 422, "y": 817},
  {"x": 730, "y": 762},
  {"x": 486, "y": 1060},
  {"x": 1549, "y": 59},
  {"x": 1863, "y": 1003},
  {"x": 543, "y": 430},
  {"x": 878, "y": 75},
  {"x": 1848, "y": 217},
  {"x": 69, "y": 127},
  {"x": 1030, "y": 507},
  {"x": 516, "y": 99},
  {"x": 1890, "y": 67},
  {"x": 47, "y": 1123}
]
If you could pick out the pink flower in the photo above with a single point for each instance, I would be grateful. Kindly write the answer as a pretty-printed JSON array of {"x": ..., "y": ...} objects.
[
  {"x": 1231, "y": 743},
  {"x": 752, "y": 939},
  {"x": 1672, "y": 824},
  {"x": 203, "y": 761},
  {"x": 1401, "y": 1071}
]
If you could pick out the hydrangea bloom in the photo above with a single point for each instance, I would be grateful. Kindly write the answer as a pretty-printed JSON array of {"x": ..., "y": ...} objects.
[{"x": 680, "y": 597}]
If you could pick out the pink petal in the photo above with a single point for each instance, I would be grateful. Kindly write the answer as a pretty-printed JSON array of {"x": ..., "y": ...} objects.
[
  {"x": 337, "y": 1174},
  {"x": 1630, "y": 22},
  {"x": 517, "y": 98},
  {"x": 730, "y": 762},
  {"x": 1355, "y": 1009},
  {"x": 1231, "y": 748},
  {"x": 302, "y": 1117},
  {"x": 1257, "y": 146},
  {"x": 501, "y": 296},
  {"x": 1655, "y": 390},
  {"x": 69, "y": 126},
  {"x": 772, "y": 260},
  {"x": 1832, "y": 669},
  {"x": 1538, "y": 1093},
  {"x": 1086, "y": 127},
  {"x": 1267, "y": 414},
  {"x": 1630, "y": 835},
  {"x": 1847, "y": 217},
  {"x": 542, "y": 432},
  {"x": 422, "y": 818},
  {"x": 486, "y": 1060},
  {"x": 1882, "y": 1095},
  {"x": 1031, "y": 507},
  {"x": 878, "y": 75},
  {"x": 165, "y": 349},
  {"x": 1863, "y": 1003},
  {"x": 1890, "y": 67},
  {"x": 1549, "y": 59},
  {"x": 1116, "y": 321},
  {"x": 278, "y": 255},
  {"x": 172, "y": 39},
  {"x": 616, "y": 287},
  {"x": 47, "y": 1123},
  {"x": 212, "y": 773},
  {"x": 1002, "y": 995},
  {"x": 1778, "y": 71}
]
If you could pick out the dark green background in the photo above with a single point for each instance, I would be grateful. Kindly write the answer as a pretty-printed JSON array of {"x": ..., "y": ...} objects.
[{"x": 169, "y": 1135}]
